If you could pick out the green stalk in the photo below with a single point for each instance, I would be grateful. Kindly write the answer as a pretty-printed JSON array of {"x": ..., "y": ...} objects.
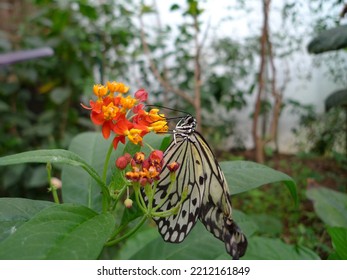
[
  {"x": 107, "y": 160},
  {"x": 128, "y": 234},
  {"x": 139, "y": 199},
  {"x": 52, "y": 188},
  {"x": 105, "y": 190}
]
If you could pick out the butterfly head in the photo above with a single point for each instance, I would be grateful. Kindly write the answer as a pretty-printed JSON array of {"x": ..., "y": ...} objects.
[{"x": 186, "y": 125}]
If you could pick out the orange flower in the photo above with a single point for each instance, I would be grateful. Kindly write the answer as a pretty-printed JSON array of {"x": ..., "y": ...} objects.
[
  {"x": 100, "y": 90},
  {"x": 127, "y": 102},
  {"x": 134, "y": 136},
  {"x": 117, "y": 87},
  {"x": 110, "y": 112},
  {"x": 159, "y": 127}
]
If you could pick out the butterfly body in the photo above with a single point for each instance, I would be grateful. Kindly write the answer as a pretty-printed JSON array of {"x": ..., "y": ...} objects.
[{"x": 208, "y": 196}]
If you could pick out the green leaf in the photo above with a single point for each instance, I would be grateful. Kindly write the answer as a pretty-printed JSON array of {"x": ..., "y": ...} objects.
[
  {"x": 52, "y": 156},
  {"x": 339, "y": 240},
  {"x": 38, "y": 177},
  {"x": 137, "y": 242},
  {"x": 336, "y": 99},
  {"x": 156, "y": 141},
  {"x": 199, "y": 244},
  {"x": 264, "y": 248},
  {"x": 59, "y": 232},
  {"x": 267, "y": 224},
  {"x": 132, "y": 213},
  {"x": 174, "y": 7},
  {"x": 243, "y": 176},
  {"x": 330, "y": 206},
  {"x": 329, "y": 40},
  {"x": 78, "y": 186},
  {"x": 16, "y": 211},
  {"x": 60, "y": 94}
]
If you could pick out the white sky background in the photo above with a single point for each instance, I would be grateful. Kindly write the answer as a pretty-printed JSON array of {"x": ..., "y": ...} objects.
[{"x": 242, "y": 24}]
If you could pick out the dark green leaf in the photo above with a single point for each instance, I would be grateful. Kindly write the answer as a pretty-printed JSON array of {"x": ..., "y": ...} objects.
[
  {"x": 336, "y": 99},
  {"x": 339, "y": 239},
  {"x": 16, "y": 211},
  {"x": 132, "y": 213},
  {"x": 38, "y": 177},
  {"x": 267, "y": 224},
  {"x": 243, "y": 176},
  {"x": 174, "y": 7},
  {"x": 263, "y": 248},
  {"x": 330, "y": 206},
  {"x": 88, "y": 11},
  {"x": 137, "y": 242},
  {"x": 199, "y": 244},
  {"x": 59, "y": 232},
  {"x": 329, "y": 40}
]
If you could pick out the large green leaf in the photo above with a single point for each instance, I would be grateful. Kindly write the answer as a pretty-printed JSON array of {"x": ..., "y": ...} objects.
[
  {"x": 330, "y": 206},
  {"x": 199, "y": 244},
  {"x": 339, "y": 240},
  {"x": 264, "y": 248},
  {"x": 59, "y": 232},
  {"x": 78, "y": 186},
  {"x": 243, "y": 176},
  {"x": 16, "y": 211}
]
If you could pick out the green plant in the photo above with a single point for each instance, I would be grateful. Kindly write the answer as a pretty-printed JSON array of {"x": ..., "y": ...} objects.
[
  {"x": 93, "y": 220},
  {"x": 40, "y": 99},
  {"x": 331, "y": 207}
]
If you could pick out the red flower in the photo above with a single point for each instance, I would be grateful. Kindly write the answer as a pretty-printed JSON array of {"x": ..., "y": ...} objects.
[{"x": 156, "y": 159}]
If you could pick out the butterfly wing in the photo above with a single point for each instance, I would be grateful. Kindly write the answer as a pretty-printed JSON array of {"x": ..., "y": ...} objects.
[
  {"x": 216, "y": 211},
  {"x": 176, "y": 227},
  {"x": 208, "y": 196}
]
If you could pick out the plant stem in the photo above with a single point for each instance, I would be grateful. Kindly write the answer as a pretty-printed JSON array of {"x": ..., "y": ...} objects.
[
  {"x": 128, "y": 234},
  {"x": 52, "y": 188},
  {"x": 107, "y": 159},
  {"x": 55, "y": 194}
]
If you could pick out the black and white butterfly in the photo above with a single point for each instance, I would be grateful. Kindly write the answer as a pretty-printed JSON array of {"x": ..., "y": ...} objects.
[{"x": 208, "y": 195}]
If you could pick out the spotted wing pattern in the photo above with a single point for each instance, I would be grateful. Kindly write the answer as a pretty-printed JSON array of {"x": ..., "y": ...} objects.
[{"x": 208, "y": 194}]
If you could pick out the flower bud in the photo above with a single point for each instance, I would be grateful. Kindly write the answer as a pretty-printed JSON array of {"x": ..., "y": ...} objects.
[
  {"x": 173, "y": 166},
  {"x": 122, "y": 162},
  {"x": 56, "y": 182},
  {"x": 128, "y": 203},
  {"x": 141, "y": 95},
  {"x": 139, "y": 157}
]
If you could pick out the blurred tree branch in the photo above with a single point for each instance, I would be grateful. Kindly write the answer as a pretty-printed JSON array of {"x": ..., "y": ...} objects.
[{"x": 195, "y": 98}]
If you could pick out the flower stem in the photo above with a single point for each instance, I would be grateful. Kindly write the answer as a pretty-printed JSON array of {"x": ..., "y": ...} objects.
[
  {"x": 52, "y": 188},
  {"x": 107, "y": 160},
  {"x": 55, "y": 194}
]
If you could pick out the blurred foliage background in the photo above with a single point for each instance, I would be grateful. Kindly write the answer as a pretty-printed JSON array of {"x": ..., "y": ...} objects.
[{"x": 186, "y": 65}]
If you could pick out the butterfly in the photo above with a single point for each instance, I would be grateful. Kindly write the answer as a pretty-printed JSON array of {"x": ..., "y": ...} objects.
[{"x": 208, "y": 196}]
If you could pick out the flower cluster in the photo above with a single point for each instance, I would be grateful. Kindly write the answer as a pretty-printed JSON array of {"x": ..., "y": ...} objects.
[
  {"x": 127, "y": 117},
  {"x": 145, "y": 173},
  {"x": 124, "y": 115},
  {"x": 143, "y": 170}
]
